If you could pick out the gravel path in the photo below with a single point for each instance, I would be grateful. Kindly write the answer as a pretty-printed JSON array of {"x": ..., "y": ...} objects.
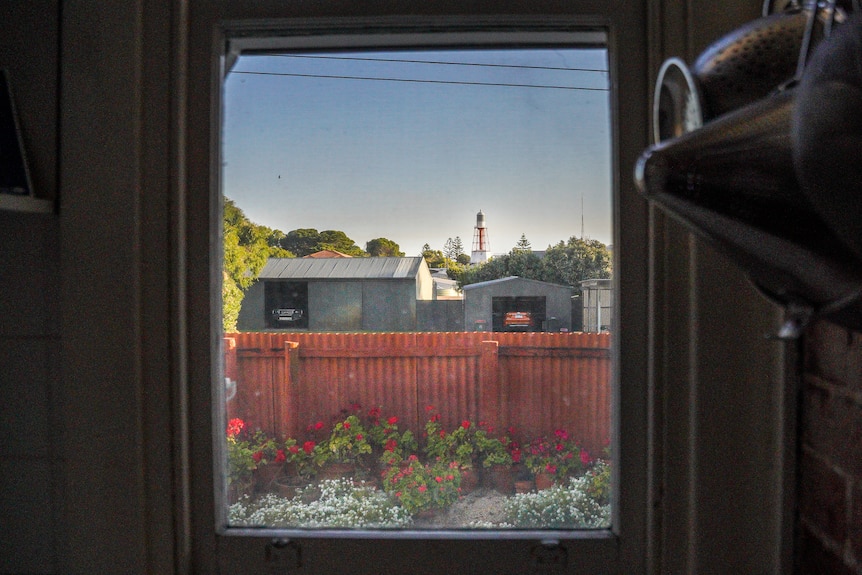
[{"x": 485, "y": 505}]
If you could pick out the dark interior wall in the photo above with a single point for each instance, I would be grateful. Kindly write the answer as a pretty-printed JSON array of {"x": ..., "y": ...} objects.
[
  {"x": 830, "y": 492},
  {"x": 30, "y": 307}
]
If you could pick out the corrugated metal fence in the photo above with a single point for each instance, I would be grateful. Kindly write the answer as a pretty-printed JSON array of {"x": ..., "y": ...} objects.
[{"x": 536, "y": 382}]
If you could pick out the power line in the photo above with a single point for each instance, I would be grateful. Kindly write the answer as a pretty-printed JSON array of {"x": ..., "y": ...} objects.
[
  {"x": 451, "y": 82},
  {"x": 441, "y": 63}
]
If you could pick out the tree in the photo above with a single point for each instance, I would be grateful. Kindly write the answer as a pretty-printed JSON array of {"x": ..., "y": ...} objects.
[
  {"x": 566, "y": 263},
  {"x": 382, "y": 247},
  {"x": 434, "y": 258},
  {"x": 523, "y": 244},
  {"x": 576, "y": 260},
  {"x": 307, "y": 241}
]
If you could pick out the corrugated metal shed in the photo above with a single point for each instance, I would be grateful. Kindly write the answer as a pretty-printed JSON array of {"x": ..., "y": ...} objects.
[{"x": 341, "y": 268}]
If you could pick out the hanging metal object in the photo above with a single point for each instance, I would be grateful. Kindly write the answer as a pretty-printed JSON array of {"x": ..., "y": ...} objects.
[{"x": 732, "y": 180}]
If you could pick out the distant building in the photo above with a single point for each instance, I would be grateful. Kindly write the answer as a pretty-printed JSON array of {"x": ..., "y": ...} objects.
[
  {"x": 337, "y": 294},
  {"x": 486, "y": 305},
  {"x": 597, "y": 296}
]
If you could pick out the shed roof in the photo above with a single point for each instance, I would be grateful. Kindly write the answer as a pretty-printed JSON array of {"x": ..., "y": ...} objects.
[
  {"x": 342, "y": 268},
  {"x": 514, "y": 279}
]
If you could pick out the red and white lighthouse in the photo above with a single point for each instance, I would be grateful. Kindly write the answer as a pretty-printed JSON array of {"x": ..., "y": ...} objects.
[{"x": 481, "y": 245}]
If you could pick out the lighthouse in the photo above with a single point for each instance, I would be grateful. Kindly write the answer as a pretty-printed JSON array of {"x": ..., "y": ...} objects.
[{"x": 480, "y": 241}]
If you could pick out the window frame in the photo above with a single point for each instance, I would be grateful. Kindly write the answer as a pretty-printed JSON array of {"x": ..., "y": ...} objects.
[{"x": 623, "y": 548}]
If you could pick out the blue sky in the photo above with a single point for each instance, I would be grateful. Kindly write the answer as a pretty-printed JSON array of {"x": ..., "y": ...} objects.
[{"x": 307, "y": 144}]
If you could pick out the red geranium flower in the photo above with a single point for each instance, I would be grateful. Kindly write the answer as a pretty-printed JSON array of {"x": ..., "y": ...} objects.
[
  {"x": 438, "y": 479},
  {"x": 346, "y": 425},
  {"x": 422, "y": 489},
  {"x": 280, "y": 456},
  {"x": 390, "y": 445},
  {"x": 358, "y": 437},
  {"x": 308, "y": 447},
  {"x": 551, "y": 468},
  {"x": 429, "y": 408},
  {"x": 585, "y": 457},
  {"x": 318, "y": 425},
  {"x": 465, "y": 424},
  {"x": 257, "y": 456},
  {"x": 234, "y": 426},
  {"x": 392, "y": 420},
  {"x": 293, "y": 449}
]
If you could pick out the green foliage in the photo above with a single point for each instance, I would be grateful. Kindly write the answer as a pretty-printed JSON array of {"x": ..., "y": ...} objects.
[
  {"x": 305, "y": 241},
  {"x": 382, "y": 247},
  {"x": 568, "y": 506},
  {"x": 558, "y": 455},
  {"x": 231, "y": 302},
  {"x": 347, "y": 443},
  {"x": 566, "y": 263},
  {"x": 434, "y": 258},
  {"x": 575, "y": 260},
  {"x": 418, "y": 486}
]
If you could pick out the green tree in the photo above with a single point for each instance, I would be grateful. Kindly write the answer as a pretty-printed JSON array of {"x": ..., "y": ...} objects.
[
  {"x": 246, "y": 248},
  {"x": 576, "y": 260},
  {"x": 434, "y": 258},
  {"x": 523, "y": 244},
  {"x": 305, "y": 241},
  {"x": 382, "y": 247}
]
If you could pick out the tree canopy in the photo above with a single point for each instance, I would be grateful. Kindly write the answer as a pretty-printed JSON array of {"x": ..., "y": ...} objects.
[
  {"x": 382, "y": 247},
  {"x": 565, "y": 263},
  {"x": 305, "y": 241}
]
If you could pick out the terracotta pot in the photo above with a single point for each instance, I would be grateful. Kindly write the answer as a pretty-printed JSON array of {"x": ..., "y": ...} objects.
[
  {"x": 523, "y": 486},
  {"x": 337, "y": 470},
  {"x": 500, "y": 478},
  {"x": 544, "y": 481},
  {"x": 469, "y": 480},
  {"x": 264, "y": 476}
]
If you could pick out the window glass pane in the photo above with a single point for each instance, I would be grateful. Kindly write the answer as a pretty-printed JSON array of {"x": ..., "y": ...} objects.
[{"x": 417, "y": 294}]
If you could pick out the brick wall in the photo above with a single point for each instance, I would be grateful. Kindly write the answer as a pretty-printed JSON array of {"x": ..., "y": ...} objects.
[{"x": 830, "y": 488}]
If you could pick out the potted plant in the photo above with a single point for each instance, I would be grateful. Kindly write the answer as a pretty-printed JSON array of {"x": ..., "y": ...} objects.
[
  {"x": 554, "y": 458},
  {"x": 240, "y": 458},
  {"x": 269, "y": 457},
  {"x": 421, "y": 488},
  {"x": 344, "y": 450},
  {"x": 496, "y": 460}
]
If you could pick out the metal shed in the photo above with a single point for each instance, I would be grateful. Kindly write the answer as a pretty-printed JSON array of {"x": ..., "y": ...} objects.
[
  {"x": 338, "y": 294},
  {"x": 547, "y": 306}
]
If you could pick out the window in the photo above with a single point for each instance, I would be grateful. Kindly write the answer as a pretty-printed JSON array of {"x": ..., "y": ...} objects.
[{"x": 519, "y": 547}]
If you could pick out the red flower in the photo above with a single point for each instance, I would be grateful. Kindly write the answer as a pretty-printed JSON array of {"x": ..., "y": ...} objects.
[
  {"x": 318, "y": 425},
  {"x": 438, "y": 479},
  {"x": 390, "y": 445},
  {"x": 355, "y": 407},
  {"x": 450, "y": 477},
  {"x": 562, "y": 434},
  {"x": 585, "y": 457},
  {"x": 397, "y": 494},
  {"x": 435, "y": 417},
  {"x": 234, "y": 426},
  {"x": 442, "y": 433},
  {"x": 358, "y": 437},
  {"x": 257, "y": 456},
  {"x": 413, "y": 458},
  {"x": 422, "y": 489},
  {"x": 374, "y": 412},
  {"x": 559, "y": 447},
  {"x": 308, "y": 447},
  {"x": 551, "y": 468},
  {"x": 392, "y": 420},
  {"x": 346, "y": 425},
  {"x": 429, "y": 408},
  {"x": 516, "y": 455},
  {"x": 465, "y": 424},
  {"x": 293, "y": 449},
  {"x": 280, "y": 456}
]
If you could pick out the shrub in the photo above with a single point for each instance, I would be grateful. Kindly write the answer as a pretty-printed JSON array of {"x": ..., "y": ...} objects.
[
  {"x": 568, "y": 506},
  {"x": 340, "y": 504},
  {"x": 419, "y": 487}
]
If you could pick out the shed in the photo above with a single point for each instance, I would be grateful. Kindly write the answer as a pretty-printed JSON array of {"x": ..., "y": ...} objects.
[
  {"x": 337, "y": 294},
  {"x": 548, "y": 307}
]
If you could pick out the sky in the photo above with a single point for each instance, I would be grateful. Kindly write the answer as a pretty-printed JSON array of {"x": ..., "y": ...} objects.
[{"x": 409, "y": 146}]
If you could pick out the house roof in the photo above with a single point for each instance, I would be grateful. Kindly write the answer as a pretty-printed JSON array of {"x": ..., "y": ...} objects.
[
  {"x": 327, "y": 254},
  {"x": 513, "y": 279},
  {"x": 342, "y": 268}
]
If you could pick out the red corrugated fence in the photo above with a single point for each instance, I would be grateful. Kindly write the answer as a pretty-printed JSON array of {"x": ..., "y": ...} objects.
[{"x": 536, "y": 382}]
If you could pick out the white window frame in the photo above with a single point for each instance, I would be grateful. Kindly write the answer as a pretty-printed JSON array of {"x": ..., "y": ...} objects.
[{"x": 623, "y": 548}]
